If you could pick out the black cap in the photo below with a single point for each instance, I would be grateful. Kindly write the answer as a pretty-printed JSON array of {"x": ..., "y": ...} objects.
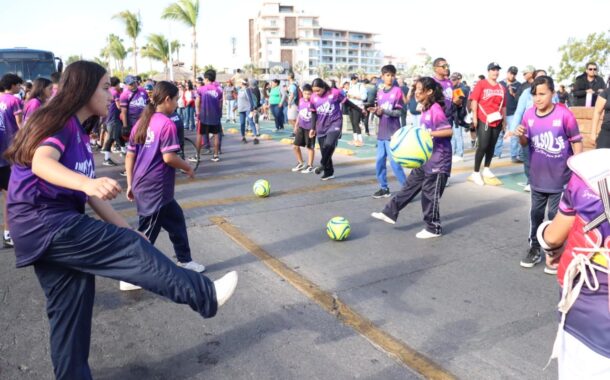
[
  {"x": 513, "y": 70},
  {"x": 493, "y": 66},
  {"x": 354, "y": 76}
]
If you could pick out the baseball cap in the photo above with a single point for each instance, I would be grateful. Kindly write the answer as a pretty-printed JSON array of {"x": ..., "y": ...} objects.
[
  {"x": 354, "y": 76},
  {"x": 529, "y": 69},
  {"x": 493, "y": 66},
  {"x": 129, "y": 80},
  {"x": 513, "y": 70},
  {"x": 456, "y": 76}
]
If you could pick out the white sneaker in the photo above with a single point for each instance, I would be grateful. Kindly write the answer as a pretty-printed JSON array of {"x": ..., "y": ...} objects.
[
  {"x": 383, "y": 217},
  {"x": 308, "y": 170},
  {"x": 477, "y": 179},
  {"x": 225, "y": 286},
  {"x": 192, "y": 265},
  {"x": 299, "y": 167},
  {"x": 487, "y": 173},
  {"x": 527, "y": 188},
  {"x": 126, "y": 286},
  {"x": 425, "y": 234},
  {"x": 457, "y": 159}
]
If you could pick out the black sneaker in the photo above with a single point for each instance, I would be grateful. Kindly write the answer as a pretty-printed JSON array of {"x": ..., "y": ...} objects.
[
  {"x": 533, "y": 257},
  {"x": 8, "y": 243},
  {"x": 326, "y": 177},
  {"x": 255, "y": 141},
  {"x": 124, "y": 173},
  {"x": 382, "y": 193},
  {"x": 243, "y": 140},
  {"x": 109, "y": 162},
  {"x": 318, "y": 170}
]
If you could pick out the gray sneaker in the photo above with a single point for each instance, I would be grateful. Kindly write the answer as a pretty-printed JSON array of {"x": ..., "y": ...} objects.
[{"x": 532, "y": 258}]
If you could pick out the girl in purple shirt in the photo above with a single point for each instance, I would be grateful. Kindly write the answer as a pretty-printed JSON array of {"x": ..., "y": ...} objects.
[
  {"x": 151, "y": 164},
  {"x": 53, "y": 180},
  {"x": 41, "y": 92},
  {"x": 326, "y": 122},
  {"x": 431, "y": 178}
]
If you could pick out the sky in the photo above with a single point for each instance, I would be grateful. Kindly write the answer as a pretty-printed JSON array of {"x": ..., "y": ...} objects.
[{"x": 469, "y": 34}]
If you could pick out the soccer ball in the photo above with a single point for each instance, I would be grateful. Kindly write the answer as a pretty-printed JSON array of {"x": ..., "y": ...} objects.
[
  {"x": 338, "y": 228},
  {"x": 261, "y": 188},
  {"x": 411, "y": 147}
]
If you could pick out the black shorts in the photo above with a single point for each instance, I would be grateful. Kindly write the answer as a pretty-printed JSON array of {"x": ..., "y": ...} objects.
[
  {"x": 302, "y": 139},
  {"x": 5, "y": 175},
  {"x": 206, "y": 129}
]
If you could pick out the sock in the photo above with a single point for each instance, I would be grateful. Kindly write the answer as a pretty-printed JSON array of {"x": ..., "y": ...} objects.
[
  {"x": 7, "y": 235},
  {"x": 359, "y": 137},
  {"x": 106, "y": 155}
]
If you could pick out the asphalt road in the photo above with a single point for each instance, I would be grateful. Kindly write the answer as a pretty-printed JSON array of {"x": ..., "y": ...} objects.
[{"x": 384, "y": 304}]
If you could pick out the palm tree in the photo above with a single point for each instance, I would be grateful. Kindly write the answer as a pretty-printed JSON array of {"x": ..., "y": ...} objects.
[
  {"x": 158, "y": 50},
  {"x": 116, "y": 50},
  {"x": 175, "y": 46},
  {"x": 341, "y": 71},
  {"x": 133, "y": 27},
  {"x": 323, "y": 71},
  {"x": 299, "y": 68},
  {"x": 185, "y": 11},
  {"x": 251, "y": 70}
]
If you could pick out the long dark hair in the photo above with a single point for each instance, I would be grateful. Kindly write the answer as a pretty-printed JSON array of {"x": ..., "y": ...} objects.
[
  {"x": 437, "y": 95},
  {"x": 320, "y": 83},
  {"x": 78, "y": 84},
  {"x": 160, "y": 92},
  {"x": 38, "y": 88}
]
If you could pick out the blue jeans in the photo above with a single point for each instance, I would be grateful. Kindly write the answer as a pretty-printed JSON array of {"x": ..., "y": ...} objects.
[
  {"x": 278, "y": 116},
  {"x": 416, "y": 119},
  {"x": 383, "y": 153},
  {"x": 230, "y": 111},
  {"x": 189, "y": 118},
  {"x": 541, "y": 202},
  {"x": 457, "y": 141},
  {"x": 84, "y": 248},
  {"x": 243, "y": 117},
  {"x": 499, "y": 145},
  {"x": 181, "y": 111}
]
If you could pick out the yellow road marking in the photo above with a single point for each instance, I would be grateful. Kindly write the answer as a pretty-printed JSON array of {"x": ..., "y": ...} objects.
[{"x": 333, "y": 305}]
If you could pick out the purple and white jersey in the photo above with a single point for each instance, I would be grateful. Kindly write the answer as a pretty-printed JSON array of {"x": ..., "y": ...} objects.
[
  {"x": 589, "y": 317},
  {"x": 549, "y": 146},
  {"x": 31, "y": 106},
  {"x": 389, "y": 100},
  {"x": 153, "y": 180},
  {"x": 434, "y": 119},
  {"x": 447, "y": 91},
  {"x": 210, "y": 97},
  {"x": 10, "y": 106},
  {"x": 328, "y": 111},
  {"x": 135, "y": 106},
  {"x": 37, "y": 209},
  {"x": 114, "y": 112},
  {"x": 304, "y": 114}
]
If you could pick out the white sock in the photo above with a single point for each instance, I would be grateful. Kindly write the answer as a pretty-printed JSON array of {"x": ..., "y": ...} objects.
[
  {"x": 106, "y": 155},
  {"x": 359, "y": 137},
  {"x": 7, "y": 235}
]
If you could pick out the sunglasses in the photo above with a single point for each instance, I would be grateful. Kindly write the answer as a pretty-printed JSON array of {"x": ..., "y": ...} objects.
[
  {"x": 592, "y": 69},
  {"x": 445, "y": 66}
]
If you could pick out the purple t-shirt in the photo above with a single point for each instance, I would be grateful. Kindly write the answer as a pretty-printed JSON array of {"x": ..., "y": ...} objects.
[
  {"x": 304, "y": 114},
  {"x": 328, "y": 110},
  {"x": 549, "y": 146},
  {"x": 447, "y": 91},
  {"x": 38, "y": 209},
  {"x": 136, "y": 106},
  {"x": 31, "y": 106},
  {"x": 113, "y": 111},
  {"x": 588, "y": 319},
  {"x": 153, "y": 180},
  {"x": 210, "y": 97},
  {"x": 434, "y": 119},
  {"x": 389, "y": 100},
  {"x": 10, "y": 106}
]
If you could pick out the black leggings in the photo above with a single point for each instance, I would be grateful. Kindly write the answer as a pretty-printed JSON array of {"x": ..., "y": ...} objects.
[
  {"x": 486, "y": 143},
  {"x": 355, "y": 115},
  {"x": 328, "y": 144}
]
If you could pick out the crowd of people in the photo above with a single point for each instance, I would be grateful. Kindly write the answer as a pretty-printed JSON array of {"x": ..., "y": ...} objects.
[{"x": 47, "y": 174}]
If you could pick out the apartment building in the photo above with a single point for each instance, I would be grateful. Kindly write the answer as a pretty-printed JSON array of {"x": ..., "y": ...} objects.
[{"x": 283, "y": 36}]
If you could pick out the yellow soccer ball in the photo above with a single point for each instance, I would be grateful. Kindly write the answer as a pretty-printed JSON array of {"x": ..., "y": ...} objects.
[
  {"x": 411, "y": 147},
  {"x": 261, "y": 188},
  {"x": 338, "y": 228}
]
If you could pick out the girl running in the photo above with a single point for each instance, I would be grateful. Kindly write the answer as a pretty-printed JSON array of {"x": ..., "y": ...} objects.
[
  {"x": 326, "y": 122},
  {"x": 41, "y": 92},
  {"x": 431, "y": 178},
  {"x": 151, "y": 164},
  {"x": 53, "y": 178}
]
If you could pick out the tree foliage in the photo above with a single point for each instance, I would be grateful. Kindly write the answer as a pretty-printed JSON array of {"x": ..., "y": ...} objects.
[
  {"x": 72, "y": 59},
  {"x": 186, "y": 12},
  {"x": 133, "y": 27},
  {"x": 157, "y": 49},
  {"x": 576, "y": 53}
]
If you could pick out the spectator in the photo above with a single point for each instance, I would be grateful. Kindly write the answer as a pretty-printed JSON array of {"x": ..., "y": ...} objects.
[
  {"x": 588, "y": 86},
  {"x": 602, "y": 105},
  {"x": 564, "y": 96},
  {"x": 512, "y": 87}
]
